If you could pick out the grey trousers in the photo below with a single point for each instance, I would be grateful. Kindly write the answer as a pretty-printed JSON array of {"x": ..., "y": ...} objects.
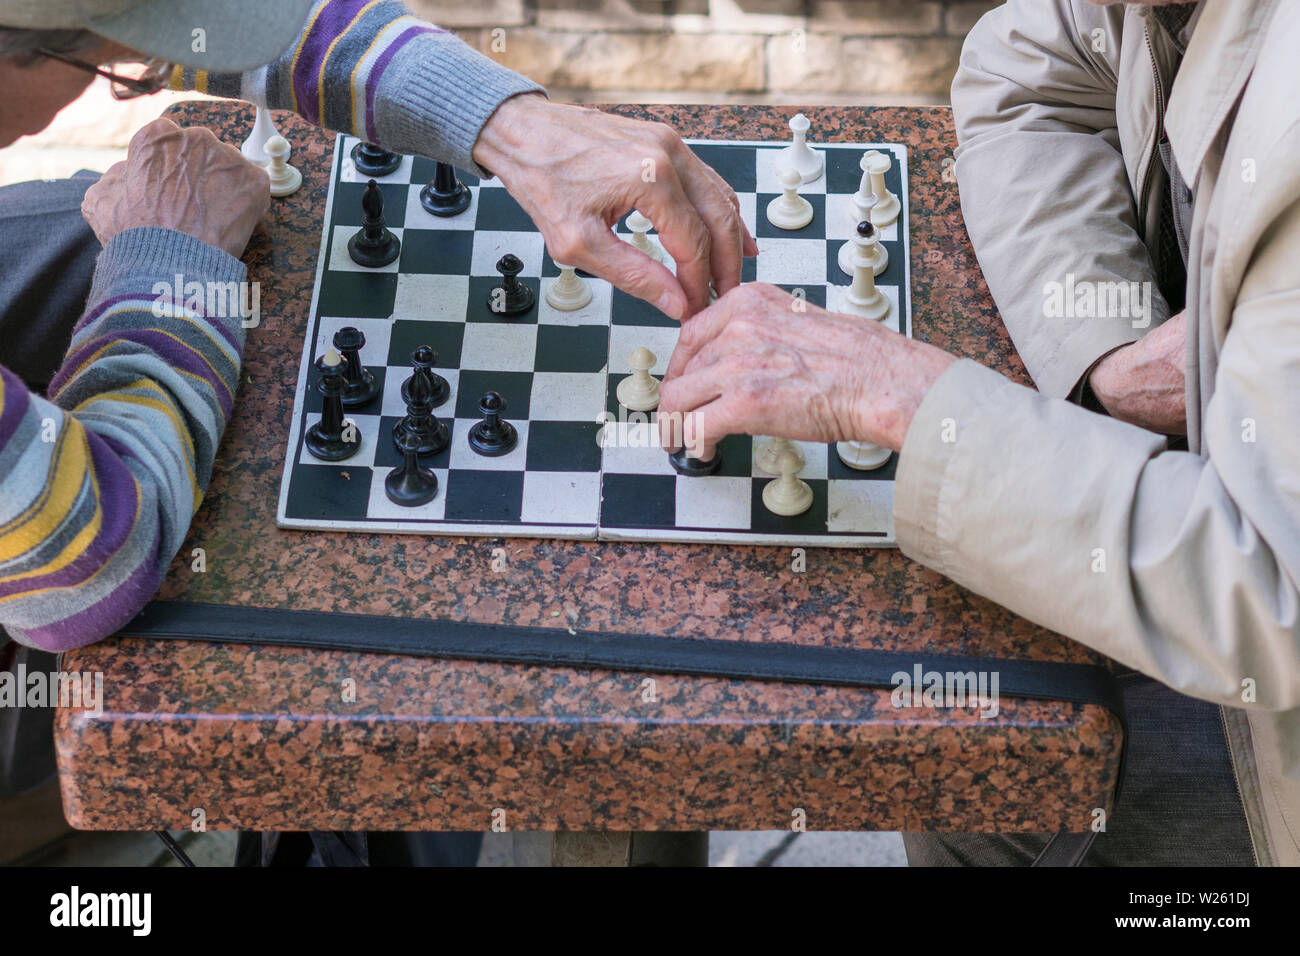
[
  {"x": 1178, "y": 802},
  {"x": 47, "y": 259}
]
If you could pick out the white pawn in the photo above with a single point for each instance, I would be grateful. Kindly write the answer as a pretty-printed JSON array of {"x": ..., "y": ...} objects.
[
  {"x": 285, "y": 179},
  {"x": 810, "y": 163},
  {"x": 641, "y": 227},
  {"x": 789, "y": 210},
  {"x": 862, "y": 297},
  {"x": 769, "y": 454},
  {"x": 787, "y": 495},
  {"x": 887, "y": 208},
  {"x": 848, "y": 251},
  {"x": 862, "y": 455},
  {"x": 254, "y": 148},
  {"x": 639, "y": 392},
  {"x": 568, "y": 292}
]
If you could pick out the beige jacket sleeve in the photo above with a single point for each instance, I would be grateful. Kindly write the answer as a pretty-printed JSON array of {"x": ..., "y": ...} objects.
[
  {"x": 1181, "y": 566},
  {"x": 1039, "y": 154}
]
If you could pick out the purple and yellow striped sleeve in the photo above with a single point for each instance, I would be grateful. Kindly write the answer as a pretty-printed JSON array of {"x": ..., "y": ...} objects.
[
  {"x": 370, "y": 68},
  {"x": 98, "y": 483}
]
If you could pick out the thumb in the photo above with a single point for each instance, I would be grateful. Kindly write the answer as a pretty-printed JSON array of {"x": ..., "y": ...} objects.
[{"x": 632, "y": 271}]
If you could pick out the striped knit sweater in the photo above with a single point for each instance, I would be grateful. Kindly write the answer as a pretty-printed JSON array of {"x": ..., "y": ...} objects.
[{"x": 99, "y": 481}]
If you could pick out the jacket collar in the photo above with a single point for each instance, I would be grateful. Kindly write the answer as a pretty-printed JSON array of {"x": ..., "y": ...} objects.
[{"x": 1224, "y": 46}]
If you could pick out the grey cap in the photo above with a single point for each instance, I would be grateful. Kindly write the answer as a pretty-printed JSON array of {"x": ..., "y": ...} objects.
[{"x": 222, "y": 36}]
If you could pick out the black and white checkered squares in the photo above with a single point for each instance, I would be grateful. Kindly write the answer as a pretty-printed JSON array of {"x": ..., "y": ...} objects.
[{"x": 582, "y": 466}]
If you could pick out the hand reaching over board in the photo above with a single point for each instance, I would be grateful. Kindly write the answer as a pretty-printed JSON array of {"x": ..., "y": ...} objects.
[
  {"x": 760, "y": 361},
  {"x": 576, "y": 171}
]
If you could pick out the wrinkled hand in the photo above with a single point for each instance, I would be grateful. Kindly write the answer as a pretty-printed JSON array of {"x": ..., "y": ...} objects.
[
  {"x": 576, "y": 171},
  {"x": 762, "y": 362},
  {"x": 1145, "y": 383},
  {"x": 182, "y": 179}
]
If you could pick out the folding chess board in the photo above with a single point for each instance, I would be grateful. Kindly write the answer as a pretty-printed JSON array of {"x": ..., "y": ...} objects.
[{"x": 583, "y": 467}]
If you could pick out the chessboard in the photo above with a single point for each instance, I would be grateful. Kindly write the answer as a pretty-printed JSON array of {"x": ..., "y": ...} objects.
[{"x": 583, "y": 467}]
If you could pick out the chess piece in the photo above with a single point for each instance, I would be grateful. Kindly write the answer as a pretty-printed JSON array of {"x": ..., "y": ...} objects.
[
  {"x": 769, "y": 454},
  {"x": 285, "y": 179},
  {"x": 410, "y": 484},
  {"x": 359, "y": 384},
  {"x": 799, "y": 155},
  {"x": 423, "y": 359},
  {"x": 887, "y": 208},
  {"x": 445, "y": 195},
  {"x": 493, "y": 436},
  {"x": 864, "y": 200},
  {"x": 326, "y": 439},
  {"x": 862, "y": 455},
  {"x": 641, "y": 227},
  {"x": 789, "y": 210},
  {"x": 862, "y": 298},
  {"x": 373, "y": 245},
  {"x": 371, "y": 160},
  {"x": 685, "y": 464},
  {"x": 639, "y": 392},
  {"x": 254, "y": 148},
  {"x": 848, "y": 251},
  {"x": 788, "y": 495},
  {"x": 431, "y": 433},
  {"x": 511, "y": 297},
  {"x": 568, "y": 292}
]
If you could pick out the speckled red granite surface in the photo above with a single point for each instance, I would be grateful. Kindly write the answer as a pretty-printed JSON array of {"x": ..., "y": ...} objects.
[{"x": 263, "y": 737}]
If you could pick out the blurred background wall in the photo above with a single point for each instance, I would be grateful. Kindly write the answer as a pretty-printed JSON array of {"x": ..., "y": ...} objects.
[
  {"x": 811, "y": 52},
  {"x": 761, "y": 51}
]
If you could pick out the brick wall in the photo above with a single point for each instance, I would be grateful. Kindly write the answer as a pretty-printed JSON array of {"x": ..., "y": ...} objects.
[{"x": 806, "y": 51}]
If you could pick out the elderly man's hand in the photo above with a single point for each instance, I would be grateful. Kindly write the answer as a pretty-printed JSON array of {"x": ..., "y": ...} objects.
[
  {"x": 182, "y": 179},
  {"x": 575, "y": 171},
  {"x": 762, "y": 362},
  {"x": 1144, "y": 384}
]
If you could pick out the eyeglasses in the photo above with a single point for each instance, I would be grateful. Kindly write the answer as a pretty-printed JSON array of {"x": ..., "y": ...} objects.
[{"x": 155, "y": 76}]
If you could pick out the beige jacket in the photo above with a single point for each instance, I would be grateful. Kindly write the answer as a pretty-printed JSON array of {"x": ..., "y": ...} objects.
[{"x": 1183, "y": 565}]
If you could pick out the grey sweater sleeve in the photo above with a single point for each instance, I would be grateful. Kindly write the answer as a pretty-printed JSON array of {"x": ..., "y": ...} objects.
[{"x": 377, "y": 72}]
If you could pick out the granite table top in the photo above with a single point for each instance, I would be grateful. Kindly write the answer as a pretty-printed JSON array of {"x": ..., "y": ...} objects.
[{"x": 259, "y": 737}]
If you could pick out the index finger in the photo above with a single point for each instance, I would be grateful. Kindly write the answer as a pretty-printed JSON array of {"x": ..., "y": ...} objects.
[
  {"x": 682, "y": 232},
  {"x": 719, "y": 208}
]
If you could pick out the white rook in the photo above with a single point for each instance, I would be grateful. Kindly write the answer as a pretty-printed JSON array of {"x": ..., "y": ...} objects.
[{"x": 887, "y": 206}]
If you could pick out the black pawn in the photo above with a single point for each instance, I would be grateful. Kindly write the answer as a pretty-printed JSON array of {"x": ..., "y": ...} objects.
[
  {"x": 325, "y": 438},
  {"x": 511, "y": 297},
  {"x": 410, "y": 484},
  {"x": 493, "y": 436},
  {"x": 359, "y": 384},
  {"x": 430, "y": 433},
  {"x": 371, "y": 160},
  {"x": 445, "y": 195},
  {"x": 423, "y": 360},
  {"x": 866, "y": 230},
  {"x": 373, "y": 245},
  {"x": 684, "y": 464}
]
